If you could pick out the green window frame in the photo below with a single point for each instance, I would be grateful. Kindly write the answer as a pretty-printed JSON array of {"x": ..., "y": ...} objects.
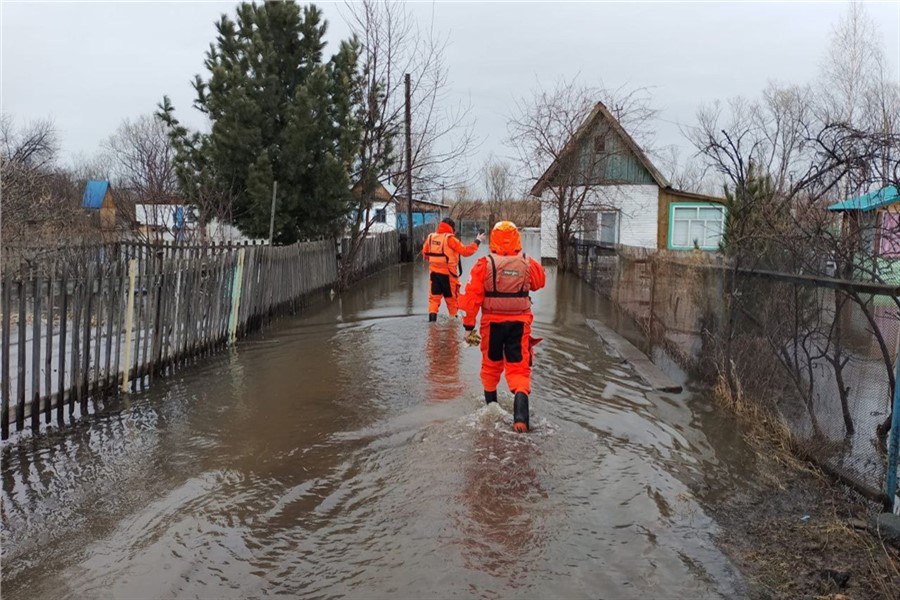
[{"x": 702, "y": 222}]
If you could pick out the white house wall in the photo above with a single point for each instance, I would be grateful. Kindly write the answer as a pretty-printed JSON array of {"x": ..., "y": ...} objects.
[
  {"x": 390, "y": 221},
  {"x": 548, "y": 228},
  {"x": 638, "y": 207},
  {"x": 638, "y": 213}
]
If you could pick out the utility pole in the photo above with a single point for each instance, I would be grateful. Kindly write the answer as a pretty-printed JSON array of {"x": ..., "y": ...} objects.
[
  {"x": 272, "y": 216},
  {"x": 409, "y": 198}
]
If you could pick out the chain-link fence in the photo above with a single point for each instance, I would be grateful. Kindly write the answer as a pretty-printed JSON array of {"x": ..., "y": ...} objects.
[{"x": 819, "y": 352}]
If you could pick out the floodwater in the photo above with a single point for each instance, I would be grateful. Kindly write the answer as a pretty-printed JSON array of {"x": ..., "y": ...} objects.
[{"x": 347, "y": 453}]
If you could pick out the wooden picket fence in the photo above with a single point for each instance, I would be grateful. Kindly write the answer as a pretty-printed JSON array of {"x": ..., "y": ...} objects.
[{"x": 129, "y": 312}]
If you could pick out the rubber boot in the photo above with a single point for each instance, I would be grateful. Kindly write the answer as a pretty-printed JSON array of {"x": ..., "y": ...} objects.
[
  {"x": 432, "y": 317},
  {"x": 490, "y": 396},
  {"x": 520, "y": 412}
]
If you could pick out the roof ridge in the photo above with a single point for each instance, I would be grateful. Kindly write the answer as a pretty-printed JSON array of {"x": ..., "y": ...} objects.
[{"x": 600, "y": 110}]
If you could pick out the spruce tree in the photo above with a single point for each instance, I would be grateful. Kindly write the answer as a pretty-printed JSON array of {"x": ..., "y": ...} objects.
[{"x": 277, "y": 112}]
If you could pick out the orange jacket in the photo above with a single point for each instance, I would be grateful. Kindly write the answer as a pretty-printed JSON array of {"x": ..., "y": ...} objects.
[
  {"x": 453, "y": 249},
  {"x": 473, "y": 297}
]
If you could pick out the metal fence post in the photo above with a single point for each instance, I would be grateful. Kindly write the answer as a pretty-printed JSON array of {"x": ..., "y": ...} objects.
[{"x": 894, "y": 446}]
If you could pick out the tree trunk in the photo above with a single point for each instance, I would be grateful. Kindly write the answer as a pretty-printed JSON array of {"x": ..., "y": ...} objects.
[{"x": 838, "y": 363}]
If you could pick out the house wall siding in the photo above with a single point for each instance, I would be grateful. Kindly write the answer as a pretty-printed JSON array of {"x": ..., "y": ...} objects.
[
  {"x": 618, "y": 162},
  {"x": 638, "y": 207},
  {"x": 390, "y": 218},
  {"x": 548, "y": 229},
  {"x": 639, "y": 210}
]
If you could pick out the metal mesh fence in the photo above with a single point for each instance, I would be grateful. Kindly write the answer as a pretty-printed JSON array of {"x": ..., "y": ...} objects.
[{"x": 819, "y": 352}]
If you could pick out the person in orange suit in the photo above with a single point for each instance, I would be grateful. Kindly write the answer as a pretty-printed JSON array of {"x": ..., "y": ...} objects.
[
  {"x": 442, "y": 250},
  {"x": 499, "y": 287}
]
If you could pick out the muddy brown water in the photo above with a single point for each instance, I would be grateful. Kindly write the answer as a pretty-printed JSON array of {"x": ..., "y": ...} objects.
[{"x": 347, "y": 453}]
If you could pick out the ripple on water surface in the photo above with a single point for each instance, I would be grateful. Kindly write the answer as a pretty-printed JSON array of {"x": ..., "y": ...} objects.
[{"x": 348, "y": 453}]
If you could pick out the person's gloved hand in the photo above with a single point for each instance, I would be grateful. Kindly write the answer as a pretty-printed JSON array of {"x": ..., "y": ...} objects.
[
  {"x": 473, "y": 338},
  {"x": 479, "y": 238}
]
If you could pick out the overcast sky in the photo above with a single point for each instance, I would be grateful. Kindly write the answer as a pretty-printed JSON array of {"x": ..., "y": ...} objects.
[{"x": 89, "y": 65}]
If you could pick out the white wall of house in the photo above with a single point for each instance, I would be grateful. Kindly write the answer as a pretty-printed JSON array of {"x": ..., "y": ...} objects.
[
  {"x": 549, "y": 221},
  {"x": 638, "y": 207},
  {"x": 219, "y": 232},
  {"x": 638, "y": 214},
  {"x": 157, "y": 221},
  {"x": 390, "y": 221}
]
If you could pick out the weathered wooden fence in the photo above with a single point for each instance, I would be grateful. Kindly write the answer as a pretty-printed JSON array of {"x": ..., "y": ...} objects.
[
  {"x": 376, "y": 252},
  {"x": 124, "y": 313}
]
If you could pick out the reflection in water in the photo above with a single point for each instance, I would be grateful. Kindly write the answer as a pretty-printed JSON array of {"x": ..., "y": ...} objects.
[
  {"x": 500, "y": 496},
  {"x": 348, "y": 453},
  {"x": 442, "y": 360}
]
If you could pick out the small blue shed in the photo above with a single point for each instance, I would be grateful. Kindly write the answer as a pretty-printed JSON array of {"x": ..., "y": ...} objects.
[{"x": 98, "y": 196}]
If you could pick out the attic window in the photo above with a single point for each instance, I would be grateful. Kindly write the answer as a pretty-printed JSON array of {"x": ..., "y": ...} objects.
[{"x": 599, "y": 144}]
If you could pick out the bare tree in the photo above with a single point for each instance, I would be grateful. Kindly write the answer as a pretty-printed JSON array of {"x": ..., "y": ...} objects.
[
  {"x": 26, "y": 174},
  {"x": 785, "y": 158},
  {"x": 142, "y": 159},
  {"x": 41, "y": 203},
  {"x": 498, "y": 188},
  {"x": 548, "y": 132},
  {"x": 33, "y": 146},
  {"x": 392, "y": 45},
  {"x": 687, "y": 173},
  {"x": 464, "y": 206}
]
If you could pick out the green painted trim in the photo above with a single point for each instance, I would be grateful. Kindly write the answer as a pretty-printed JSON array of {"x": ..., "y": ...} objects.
[{"x": 673, "y": 206}]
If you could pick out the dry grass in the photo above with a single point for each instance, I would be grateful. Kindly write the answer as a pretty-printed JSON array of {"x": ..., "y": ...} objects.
[
  {"x": 764, "y": 429},
  {"x": 784, "y": 557}
]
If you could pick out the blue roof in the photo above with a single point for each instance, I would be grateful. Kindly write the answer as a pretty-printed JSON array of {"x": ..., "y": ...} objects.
[
  {"x": 94, "y": 193},
  {"x": 883, "y": 197}
]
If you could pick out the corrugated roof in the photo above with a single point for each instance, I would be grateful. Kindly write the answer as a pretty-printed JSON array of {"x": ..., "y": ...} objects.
[
  {"x": 94, "y": 193},
  {"x": 883, "y": 197}
]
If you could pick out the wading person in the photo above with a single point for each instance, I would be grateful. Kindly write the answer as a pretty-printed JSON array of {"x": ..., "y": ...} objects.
[
  {"x": 442, "y": 250},
  {"x": 499, "y": 286}
]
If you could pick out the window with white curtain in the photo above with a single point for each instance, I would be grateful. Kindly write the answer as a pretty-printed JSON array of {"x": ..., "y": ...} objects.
[{"x": 696, "y": 226}]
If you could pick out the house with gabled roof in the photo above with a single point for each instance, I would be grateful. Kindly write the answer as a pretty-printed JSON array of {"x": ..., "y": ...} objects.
[{"x": 628, "y": 201}]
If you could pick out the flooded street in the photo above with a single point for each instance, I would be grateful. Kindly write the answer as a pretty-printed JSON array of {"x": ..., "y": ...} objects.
[{"x": 348, "y": 453}]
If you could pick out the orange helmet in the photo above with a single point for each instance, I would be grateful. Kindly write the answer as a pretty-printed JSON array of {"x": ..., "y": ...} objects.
[{"x": 505, "y": 238}]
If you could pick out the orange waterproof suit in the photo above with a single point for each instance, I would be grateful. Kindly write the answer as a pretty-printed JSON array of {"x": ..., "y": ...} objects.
[
  {"x": 499, "y": 287},
  {"x": 442, "y": 251}
]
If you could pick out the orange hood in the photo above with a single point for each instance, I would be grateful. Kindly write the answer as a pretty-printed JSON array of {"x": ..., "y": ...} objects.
[
  {"x": 444, "y": 228},
  {"x": 505, "y": 239}
]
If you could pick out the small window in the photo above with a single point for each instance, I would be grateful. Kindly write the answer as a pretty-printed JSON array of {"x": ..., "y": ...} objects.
[
  {"x": 599, "y": 144},
  {"x": 609, "y": 227},
  {"x": 696, "y": 226},
  {"x": 380, "y": 215}
]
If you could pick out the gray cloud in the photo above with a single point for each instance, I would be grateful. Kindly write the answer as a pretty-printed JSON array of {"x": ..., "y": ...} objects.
[{"x": 90, "y": 65}]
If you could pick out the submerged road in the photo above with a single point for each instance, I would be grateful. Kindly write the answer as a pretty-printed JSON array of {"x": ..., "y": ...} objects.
[{"x": 348, "y": 453}]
